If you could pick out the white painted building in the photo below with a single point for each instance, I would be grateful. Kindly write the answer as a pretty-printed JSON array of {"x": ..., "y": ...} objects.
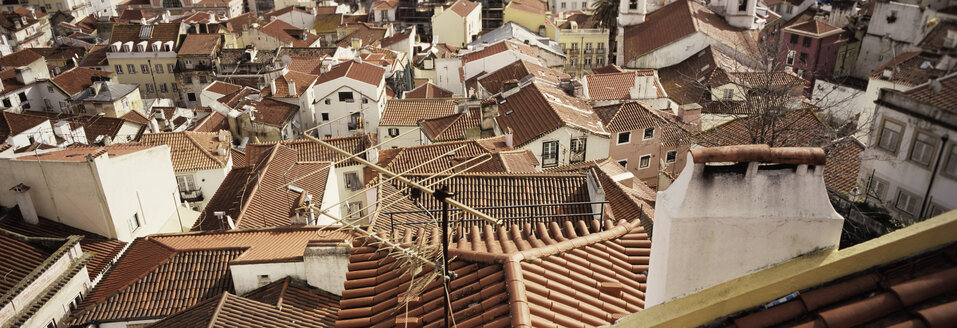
[
  {"x": 119, "y": 191},
  {"x": 458, "y": 24},
  {"x": 350, "y": 97},
  {"x": 894, "y": 28}
]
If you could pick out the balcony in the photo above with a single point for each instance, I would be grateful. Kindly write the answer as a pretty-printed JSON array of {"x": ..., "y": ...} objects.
[
  {"x": 573, "y": 50},
  {"x": 600, "y": 50},
  {"x": 589, "y": 51},
  {"x": 191, "y": 196}
]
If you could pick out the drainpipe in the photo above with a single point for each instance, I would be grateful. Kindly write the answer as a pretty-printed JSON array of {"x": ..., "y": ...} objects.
[{"x": 933, "y": 175}]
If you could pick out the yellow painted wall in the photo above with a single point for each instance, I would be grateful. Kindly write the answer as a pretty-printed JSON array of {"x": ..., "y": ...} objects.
[{"x": 140, "y": 78}]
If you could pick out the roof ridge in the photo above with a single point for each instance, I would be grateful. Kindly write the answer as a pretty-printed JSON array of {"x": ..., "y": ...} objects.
[
  {"x": 189, "y": 136},
  {"x": 259, "y": 178},
  {"x": 219, "y": 308}
]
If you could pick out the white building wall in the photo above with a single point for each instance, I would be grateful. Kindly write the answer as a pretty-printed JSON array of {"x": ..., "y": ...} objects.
[
  {"x": 671, "y": 54},
  {"x": 58, "y": 307},
  {"x": 407, "y": 140},
  {"x": 371, "y": 110},
  {"x": 868, "y": 107},
  {"x": 246, "y": 276},
  {"x": 596, "y": 147},
  {"x": 330, "y": 198},
  {"x": 448, "y": 75},
  {"x": 840, "y": 102}
]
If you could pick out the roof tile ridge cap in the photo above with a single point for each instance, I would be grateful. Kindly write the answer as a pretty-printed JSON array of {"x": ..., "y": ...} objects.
[
  {"x": 219, "y": 308},
  {"x": 189, "y": 136},
  {"x": 282, "y": 292},
  {"x": 694, "y": 18},
  {"x": 620, "y": 229},
  {"x": 515, "y": 287}
]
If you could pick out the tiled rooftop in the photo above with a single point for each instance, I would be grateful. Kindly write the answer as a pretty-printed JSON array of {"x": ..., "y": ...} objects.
[
  {"x": 636, "y": 116},
  {"x": 19, "y": 258},
  {"x": 192, "y": 151},
  {"x": 310, "y": 151},
  {"x": 406, "y": 158},
  {"x": 843, "y": 165},
  {"x": 493, "y": 49},
  {"x": 287, "y": 33},
  {"x": 944, "y": 98},
  {"x": 539, "y": 108},
  {"x": 797, "y": 128},
  {"x": 908, "y": 69},
  {"x": 428, "y": 91},
  {"x": 492, "y": 82},
  {"x": 410, "y": 112},
  {"x": 452, "y": 127},
  {"x": 613, "y": 86},
  {"x": 256, "y": 196},
  {"x": 200, "y": 44},
  {"x": 362, "y": 72}
]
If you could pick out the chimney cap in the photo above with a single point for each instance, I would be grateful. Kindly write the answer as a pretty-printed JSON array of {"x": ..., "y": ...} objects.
[{"x": 760, "y": 153}]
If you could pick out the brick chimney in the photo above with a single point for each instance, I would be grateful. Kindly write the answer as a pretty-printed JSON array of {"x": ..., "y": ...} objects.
[{"x": 736, "y": 210}]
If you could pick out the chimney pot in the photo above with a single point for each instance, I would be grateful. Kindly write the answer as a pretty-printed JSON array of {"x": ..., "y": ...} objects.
[{"x": 25, "y": 202}]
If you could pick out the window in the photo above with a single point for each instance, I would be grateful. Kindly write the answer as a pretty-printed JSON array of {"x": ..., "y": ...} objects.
[
  {"x": 577, "y": 146},
  {"x": 727, "y": 94},
  {"x": 670, "y": 156},
  {"x": 584, "y": 4},
  {"x": 907, "y": 202},
  {"x": 163, "y": 88},
  {"x": 922, "y": 150},
  {"x": 935, "y": 210},
  {"x": 354, "y": 209},
  {"x": 742, "y": 5},
  {"x": 632, "y": 4},
  {"x": 169, "y": 68},
  {"x": 52, "y": 324},
  {"x": 262, "y": 280},
  {"x": 6, "y": 103},
  {"x": 352, "y": 181},
  {"x": 191, "y": 96},
  {"x": 788, "y": 9},
  {"x": 890, "y": 137},
  {"x": 791, "y": 57},
  {"x": 135, "y": 222},
  {"x": 325, "y": 116},
  {"x": 76, "y": 302},
  {"x": 50, "y": 89},
  {"x": 951, "y": 167},
  {"x": 188, "y": 79},
  {"x": 803, "y": 58},
  {"x": 158, "y": 68},
  {"x": 22, "y": 96},
  {"x": 600, "y": 61},
  {"x": 365, "y": 100},
  {"x": 327, "y": 102},
  {"x": 393, "y": 132},
  {"x": 131, "y": 68},
  {"x": 118, "y": 69},
  {"x": 149, "y": 88},
  {"x": 145, "y": 68},
  {"x": 649, "y": 133},
  {"x": 644, "y": 162},
  {"x": 202, "y": 79},
  {"x": 623, "y": 163},
  {"x": 624, "y": 137},
  {"x": 807, "y": 42},
  {"x": 549, "y": 153},
  {"x": 185, "y": 183},
  {"x": 794, "y": 38},
  {"x": 563, "y": 5},
  {"x": 346, "y": 97},
  {"x": 176, "y": 88}
]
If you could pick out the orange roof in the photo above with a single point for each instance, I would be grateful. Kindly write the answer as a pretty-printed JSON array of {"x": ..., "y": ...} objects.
[
  {"x": 223, "y": 88},
  {"x": 406, "y": 158},
  {"x": 362, "y": 72},
  {"x": 428, "y": 91},
  {"x": 311, "y": 151},
  {"x": 463, "y": 7},
  {"x": 144, "y": 283},
  {"x": 285, "y": 32},
  {"x": 636, "y": 116},
  {"x": 200, "y": 44},
  {"x": 843, "y": 165},
  {"x": 22, "y": 57},
  {"x": 136, "y": 117},
  {"x": 815, "y": 28},
  {"x": 531, "y": 6},
  {"x": 410, "y": 112},
  {"x": 492, "y": 82},
  {"x": 539, "y": 108},
  {"x": 78, "y": 78},
  {"x": 611, "y": 86},
  {"x": 303, "y": 82},
  {"x": 945, "y": 98},
  {"x": 452, "y": 127},
  {"x": 541, "y": 275},
  {"x": 256, "y": 196},
  {"x": 385, "y": 4},
  {"x": 678, "y": 20},
  {"x": 505, "y": 45},
  {"x": 192, "y": 151}
]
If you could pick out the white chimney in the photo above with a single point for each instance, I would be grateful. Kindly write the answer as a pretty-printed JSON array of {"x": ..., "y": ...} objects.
[
  {"x": 220, "y": 150},
  {"x": 326, "y": 263},
  {"x": 27, "y": 210},
  {"x": 719, "y": 222},
  {"x": 292, "y": 87},
  {"x": 62, "y": 129},
  {"x": 272, "y": 87},
  {"x": 25, "y": 75},
  {"x": 508, "y": 138}
]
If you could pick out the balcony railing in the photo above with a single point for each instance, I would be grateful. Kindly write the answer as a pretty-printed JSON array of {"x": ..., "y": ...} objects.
[
  {"x": 600, "y": 50},
  {"x": 191, "y": 196},
  {"x": 588, "y": 51}
]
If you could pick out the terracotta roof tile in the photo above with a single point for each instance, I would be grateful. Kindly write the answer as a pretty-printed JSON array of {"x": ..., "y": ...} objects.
[
  {"x": 362, "y": 72},
  {"x": 19, "y": 258},
  {"x": 200, "y": 44},
  {"x": 162, "y": 32},
  {"x": 410, "y": 112},
  {"x": 492, "y": 82},
  {"x": 463, "y": 7},
  {"x": 302, "y": 81},
  {"x": 797, "y": 128},
  {"x": 369, "y": 34},
  {"x": 104, "y": 249},
  {"x": 22, "y": 57},
  {"x": 843, "y": 163},
  {"x": 533, "y": 275},
  {"x": 309, "y": 65},
  {"x": 18, "y": 123},
  {"x": 405, "y": 158},
  {"x": 428, "y": 91},
  {"x": 452, "y": 127},
  {"x": 385, "y": 4},
  {"x": 164, "y": 274},
  {"x": 945, "y": 98},
  {"x": 917, "y": 292},
  {"x": 96, "y": 56},
  {"x": 285, "y": 32},
  {"x": 610, "y": 68},
  {"x": 94, "y": 126},
  {"x": 78, "y": 78},
  {"x": 192, "y": 151},
  {"x": 135, "y": 117},
  {"x": 613, "y": 86},
  {"x": 635, "y": 116},
  {"x": 936, "y": 38},
  {"x": 815, "y": 27},
  {"x": 223, "y": 88},
  {"x": 310, "y": 151},
  {"x": 678, "y": 20},
  {"x": 214, "y": 122},
  {"x": 496, "y": 48},
  {"x": 79, "y": 153},
  {"x": 531, "y": 6},
  {"x": 256, "y": 196},
  {"x": 539, "y": 108}
]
